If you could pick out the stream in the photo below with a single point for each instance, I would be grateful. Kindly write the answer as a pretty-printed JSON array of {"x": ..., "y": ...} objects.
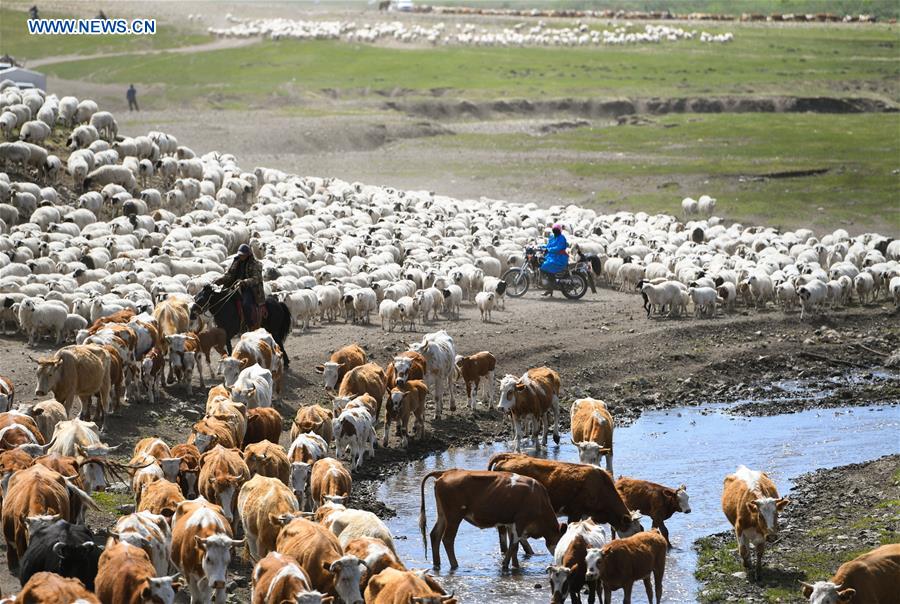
[{"x": 697, "y": 446}]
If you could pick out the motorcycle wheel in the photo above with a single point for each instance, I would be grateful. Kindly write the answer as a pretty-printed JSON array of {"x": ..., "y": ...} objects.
[
  {"x": 573, "y": 287},
  {"x": 517, "y": 282}
]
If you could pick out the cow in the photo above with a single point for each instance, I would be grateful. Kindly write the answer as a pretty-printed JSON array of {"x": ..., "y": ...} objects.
[
  {"x": 313, "y": 418},
  {"x": 253, "y": 387},
  {"x": 751, "y": 503},
  {"x": 531, "y": 397},
  {"x": 201, "y": 548},
  {"x": 486, "y": 500},
  {"x": 160, "y": 497},
  {"x": 154, "y": 447},
  {"x": 871, "y": 577},
  {"x": 404, "y": 401},
  {"x": 255, "y": 348},
  {"x": 37, "y": 491},
  {"x": 318, "y": 552},
  {"x": 173, "y": 316},
  {"x": 210, "y": 338},
  {"x": 308, "y": 448},
  {"x": 592, "y": 432},
  {"x": 354, "y": 428},
  {"x": 211, "y": 432},
  {"x": 233, "y": 413},
  {"x": 621, "y": 562},
  {"x": 46, "y": 415},
  {"x": 440, "y": 354},
  {"x": 348, "y": 524},
  {"x": 365, "y": 379},
  {"x": 340, "y": 362},
  {"x": 188, "y": 468},
  {"x": 82, "y": 371},
  {"x": 10, "y": 462},
  {"x": 7, "y": 393},
  {"x": 278, "y": 578},
  {"x": 152, "y": 367},
  {"x": 375, "y": 553},
  {"x": 261, "y": 501},
  {"x": 654, "y": 500},
  {"x": 391, "y": 586},
  {"x": 50, "y": 588},
  {"x": 329, "y": 478},
  {"x": 148, "y": 471},
  {"x": 222, "y": 472},
  {"x": 263, "y": 423},
  {"x": 69, "y": 550},
  {"x": 128, "y": 577},
  {"x": 406, "y": 366},
  {"x": 184, "y": 355},
  {"x": 266, "y": 458},
  {"x": 151, "y": 532},
  {"x": 576, "y": 490},
  {"x": 569, "y": 568},
  {"x": 472, "y": 369}
]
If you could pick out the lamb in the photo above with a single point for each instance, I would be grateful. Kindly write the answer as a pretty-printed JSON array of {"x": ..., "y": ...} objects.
[
  {"x": 812, "y": 295},
  {"x": 498, "y": 287},
  {"x": 34, "y": 131},
  {"x": 72, "y": 325},
  {"x": 390, "y": 314},
  {"x": 104, "y": 175},
  {"x": 761, "y": 288},
  {"x": 864, "y": 284},
  {"x": 485, "y": 303},
  {"x": 705, "y": 300}
]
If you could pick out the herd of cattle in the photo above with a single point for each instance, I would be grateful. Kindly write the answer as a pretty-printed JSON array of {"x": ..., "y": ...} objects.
[
  {"x": 462, "y": 34},
  {"x": 90, "y": 256}
]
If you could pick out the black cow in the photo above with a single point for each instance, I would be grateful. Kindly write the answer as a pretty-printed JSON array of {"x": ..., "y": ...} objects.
[{"x": 63, "y": 548}]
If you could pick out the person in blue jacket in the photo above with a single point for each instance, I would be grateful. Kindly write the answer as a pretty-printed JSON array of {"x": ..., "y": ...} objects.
[{"x": 557, "y": 259}]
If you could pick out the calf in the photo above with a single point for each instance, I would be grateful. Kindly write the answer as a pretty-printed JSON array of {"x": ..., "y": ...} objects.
[
  {"x": 212, "y": 338},
  {"x": 568, "y": 572},
  {"x": 261, "y": 502},
  {"x": 313, "y": 418},
  {"x": 148, "y": 531},
  {"x": 128, "y": 577},
  {"x": 403, "y": 402},
  {"x": 485, "y": 500},
  {"x": 751, "y": 503},
  {"x": 531, "y": 397},
  {"x": 392, "y": 585},
  {"x": 592, "y": 432},
  {"x": 472, "y": 369},
  {"x": 340, "y": 362},
  {"x": 406, "y": 366},
  {"x": 871, "y": 577},
  {"x": 318, "y": 552},
  {"x": 621, "y": 562},
  {"x": 212, "y": 431},
  {"x": 152, "y": 366},
  {"x": 278, "y": 578},
  {"x": 69, "y": 550},
  {"x": 222, "y": 472},
  {"x": 201, "y": 548},
  {"x": 263, "y": 423},
  {"x": 354, "y": 429},
  {"x": 188, "y": 468},
  {"x": 160, "y": 497},
  {"x": 184, "y": 350},
  {"x": 329, "y": 478},
  {"x": 365, "y": 379},
  {"x": 51, "y": 588},
  {"x": 654, "y": 500},
  {"x": 266, "y": 458}
]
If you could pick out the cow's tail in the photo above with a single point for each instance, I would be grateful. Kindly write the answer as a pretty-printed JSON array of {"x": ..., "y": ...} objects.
[
  {"x": 498, "y": 458},
  {"x": 422, "y": 519}
]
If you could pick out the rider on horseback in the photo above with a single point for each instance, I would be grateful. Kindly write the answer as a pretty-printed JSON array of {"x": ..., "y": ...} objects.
[
  {"x": 245, "y": 272},
  {"x": 557, "y": 259}
]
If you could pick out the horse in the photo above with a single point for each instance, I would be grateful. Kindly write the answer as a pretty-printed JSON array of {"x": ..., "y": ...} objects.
[{"x": 222, "y": 305}]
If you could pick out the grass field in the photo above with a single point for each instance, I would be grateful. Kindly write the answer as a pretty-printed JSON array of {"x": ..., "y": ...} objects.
[
  {"x": 15, "y": 39},
  {"x": 810, "y": 60},
  {"x": 653, "y": 166}
]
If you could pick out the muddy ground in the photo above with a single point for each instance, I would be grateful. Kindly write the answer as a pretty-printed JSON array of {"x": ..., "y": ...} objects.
[
  {"x": 834, "y": 516},
  {"x": 603, "y": 346}
]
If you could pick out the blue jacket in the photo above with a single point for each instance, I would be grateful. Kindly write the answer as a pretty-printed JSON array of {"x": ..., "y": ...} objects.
[{"x": 556, "y": 259}]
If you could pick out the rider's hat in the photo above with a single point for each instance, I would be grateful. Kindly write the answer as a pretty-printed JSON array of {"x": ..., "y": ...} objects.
[{"x": 244, "y": 250}]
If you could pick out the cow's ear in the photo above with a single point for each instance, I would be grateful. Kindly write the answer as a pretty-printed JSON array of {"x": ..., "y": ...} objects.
[
  {"x": 806, "y": 589},
  {"x": 752, "y": 507},
  {"x": 320, "y": 368},
  {"x": 146, "y": 594},
  {"x": 520, "y": 386},
  {"x": 200, "y": 542},
  {"x": 781, "y": 503},
  {"x": 59, "y": 549},
  {"x": 326, "y": 567},
  {"x": 846, "y": 595}
]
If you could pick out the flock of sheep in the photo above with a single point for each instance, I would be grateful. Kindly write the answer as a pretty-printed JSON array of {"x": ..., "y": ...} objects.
[{"x": 466, "y": 34}]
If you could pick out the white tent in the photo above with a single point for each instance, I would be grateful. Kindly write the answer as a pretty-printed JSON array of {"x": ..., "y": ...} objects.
[{"x": 20, "y": 75}]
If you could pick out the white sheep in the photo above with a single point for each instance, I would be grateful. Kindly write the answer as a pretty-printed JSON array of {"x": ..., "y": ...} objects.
[
  {"x": 34, "y": 131},
  {"x": 485, "y": 303},
  {"x": 705, "y": 300},
  {"x": 105, "y": 175},
  {"x": 864, "y": 284},
  {"x": 390, "y": 314},
  {"x": 812, "y": 296}
]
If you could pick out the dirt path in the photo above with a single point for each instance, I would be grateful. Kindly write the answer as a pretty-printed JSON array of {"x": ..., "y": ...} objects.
[{"x": 218, "y": 44}]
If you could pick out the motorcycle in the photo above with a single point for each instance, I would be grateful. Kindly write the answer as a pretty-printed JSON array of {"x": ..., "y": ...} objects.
[{"x": 571, "y": 281}]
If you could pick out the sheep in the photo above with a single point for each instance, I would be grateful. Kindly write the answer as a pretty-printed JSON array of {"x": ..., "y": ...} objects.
[
  {"x": 82, "y": 137},
  {"x": 85, "y": 110},
  {"x": 660, "y": 296},
  {"x": 14, "y": 154},
  {"x": 728, "y": 292},
  {"x": 761, "y": 288},
  {"x": 34, "y": 131},
  {"x": 864, "y": 284},
  {"x": 409, "y": 308},
  {"x": 812, "y": 296},
  {"x": 706, "y": 205},
  {"x": 485, "y": 303},
  {"x": 705, "y": 300},
  {"x": 105, "y": 175},
  {"x": 786, "y": 295},
  {"x": 364, "y": 302},
  {"x": 72, "y": 325},
  {"x": 68, "y": 105},
  {"x": 51, "y": 168},
  {"x": 689, "y": 207},
  {"x": 390, "y": 315},
  {"x": 105, "y": 124},
  {"x": 895, "y": 291}
]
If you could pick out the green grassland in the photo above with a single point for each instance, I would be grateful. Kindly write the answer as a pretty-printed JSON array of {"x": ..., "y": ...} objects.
[
  {"x": 15, "y": 39},
  {"x": 763, "y": 60}
]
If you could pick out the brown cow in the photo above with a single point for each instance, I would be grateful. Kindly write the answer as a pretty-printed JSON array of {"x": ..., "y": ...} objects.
[
  {"x": 531, "y": 398},
  {"x": 222, "y": 472},
  {"x": 184, "y": 355},
  {"x": 11, "y": 462},
  {"x": 261, "y": 502},
  {"x": 173, "y": 315},
  {"x": 576, "y": 490},
  {"x": 234, "y": 413},
  {"x": 472, "y": 369},
  {"x": 592, "y": 432},
  {"x": 263, "y": 423},
  {"x": 318, "y": 552},
  {"x": 408, "y": 365},
  {"x": 121, "y": 316},
  {"x": 154, "y": 447},
  {"x": 126, "y": 576},
  {"x": 7, "y": 393},
  {"x": 751, "y": 504},
  {"x": 621, "y": 562},
  {"x": 340, "y": 362},
  {"x": 267, "y": 458},
  {"x": 402, "y": 402},
  {"x": 188, "y": 469},
  {"x": 278, "y": 579},
  {"x": 486, "y": 500},
  {"x": 316, "y": 419},
  {"x": 81, "y": 371},
  {"x": 46, "y": 415},
  {"x": 212, "y": 338},
  {"x": 329, "y": 478},
  {"x": 872, "y": 577},
  {"x": 50, "y": 588},
  {"x": 568, "y": 572},
  {"x": 212, "y": 431},
  {"x": 365, "y": 379},
  {"x": 375, "y": 553},
  {"x": 391, "y": 586},
  {"x": 160, "y": 497},
  {"x": 654, "y": 500}
]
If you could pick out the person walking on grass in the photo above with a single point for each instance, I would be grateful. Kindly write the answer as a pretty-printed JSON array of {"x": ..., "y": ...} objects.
[{"x": 131, "y": 95}]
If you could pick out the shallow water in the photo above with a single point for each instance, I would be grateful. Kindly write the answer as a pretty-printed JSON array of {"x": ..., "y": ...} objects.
[{"x": 696, "y": 446}]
